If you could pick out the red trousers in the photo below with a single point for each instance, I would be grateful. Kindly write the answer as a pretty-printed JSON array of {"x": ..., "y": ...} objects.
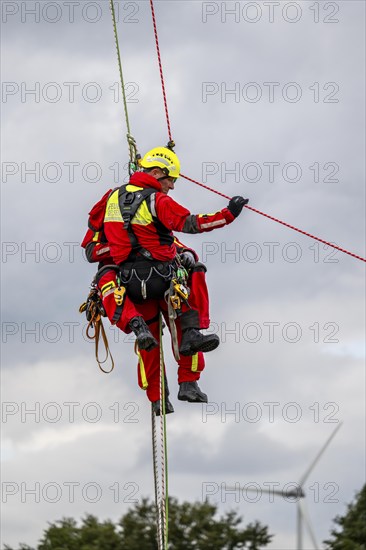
[{"x": 197, "y": 316}]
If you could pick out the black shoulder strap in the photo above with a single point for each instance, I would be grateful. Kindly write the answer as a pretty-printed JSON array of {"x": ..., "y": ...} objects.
[{"x": 129, "y": 202}]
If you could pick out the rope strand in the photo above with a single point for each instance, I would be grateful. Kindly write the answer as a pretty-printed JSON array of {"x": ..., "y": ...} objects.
[
  {"x": 132, "y": 149},
  {"x": 164, "y": 450},
  {"x": 159, "y": 529},
  {"x": 111, "y": 5},
  {"x": 279, "y": 221},
  {"x": 160, "y": 70},
  {"x": 161, "y": 473}
]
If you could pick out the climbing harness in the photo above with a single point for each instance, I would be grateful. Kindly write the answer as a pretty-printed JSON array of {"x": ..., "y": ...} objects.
[
  {"x": 159, "y": 433},
  {"x": 136, "y": 276},
  {"x": 129, "y": 202},
  {"x": 94, "y": 310}
]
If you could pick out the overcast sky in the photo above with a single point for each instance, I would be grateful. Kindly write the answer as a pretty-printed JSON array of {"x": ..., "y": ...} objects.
[{"x": 266, "y": 100}]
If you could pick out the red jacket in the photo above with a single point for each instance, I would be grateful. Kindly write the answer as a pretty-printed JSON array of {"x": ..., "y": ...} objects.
[{"x": 155, "y": 220}]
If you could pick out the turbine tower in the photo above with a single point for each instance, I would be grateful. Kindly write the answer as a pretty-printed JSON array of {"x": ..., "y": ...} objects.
[
  {"x": 302, "y": 514},
  {"x": 299, "y": 494}
]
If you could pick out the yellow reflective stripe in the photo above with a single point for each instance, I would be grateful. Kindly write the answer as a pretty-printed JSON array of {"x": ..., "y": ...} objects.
[
  {"x": 96, "y": 236},
  {"x": 133, "y": 188},
  {"x": 142, "y": 371},
  {"x": 178, "y": 243},
  {"x": 111, "y": 291},
  {"x": 194, "y": 362},
  {"x": 112, "y": 211},
  {"x": 108, "y": 286}
]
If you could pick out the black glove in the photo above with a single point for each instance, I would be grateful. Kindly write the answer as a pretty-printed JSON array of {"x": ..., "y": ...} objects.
[
  {"x": 187, "y": 259},
  {"x": 236, "y": 205}
]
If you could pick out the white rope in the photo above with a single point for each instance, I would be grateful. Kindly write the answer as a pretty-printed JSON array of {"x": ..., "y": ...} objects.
[
  {"x": 160, "y": 471},
  {"x": 159, "y": 527}
]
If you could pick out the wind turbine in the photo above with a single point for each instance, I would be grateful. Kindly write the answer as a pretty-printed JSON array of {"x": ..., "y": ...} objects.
[{"x": 299, "y": 494}]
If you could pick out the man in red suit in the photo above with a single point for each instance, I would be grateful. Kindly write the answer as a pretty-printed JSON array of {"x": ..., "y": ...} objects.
[{"x": 136, "y": 234}]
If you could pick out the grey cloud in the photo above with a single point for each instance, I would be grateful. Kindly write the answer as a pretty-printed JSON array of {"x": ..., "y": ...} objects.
[{"x": 225, "y": 133}]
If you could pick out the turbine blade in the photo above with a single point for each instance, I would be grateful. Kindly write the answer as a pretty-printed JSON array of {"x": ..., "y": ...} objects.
[
  {"x": 253, "y": 490},
  {"x": 305, "y": 517},
  {"x": 316, "y": 459}
]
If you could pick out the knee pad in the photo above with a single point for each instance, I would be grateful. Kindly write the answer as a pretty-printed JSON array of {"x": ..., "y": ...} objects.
[{"x": 199, "y": 267}]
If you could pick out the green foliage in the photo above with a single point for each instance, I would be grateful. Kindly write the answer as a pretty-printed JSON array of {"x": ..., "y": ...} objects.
[
  {"x": 191, "y": 527},
  {"x": 350, "y": 530},
  {"x": 139, "y": 527}
]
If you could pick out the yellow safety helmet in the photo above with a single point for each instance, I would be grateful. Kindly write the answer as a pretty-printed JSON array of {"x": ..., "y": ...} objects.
[{"x": 164, "y": 158}]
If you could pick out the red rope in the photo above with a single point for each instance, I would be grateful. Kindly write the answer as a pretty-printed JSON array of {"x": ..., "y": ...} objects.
[
  {"x": 214, "y": 190},
  {"x": 205, "y": 186},
  {"x": 279, "y": 221},
  {"x": 160, "y": 69}
]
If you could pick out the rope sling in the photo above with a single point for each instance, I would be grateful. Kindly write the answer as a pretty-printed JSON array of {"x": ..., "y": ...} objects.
[{"x": 94, "y": 310}]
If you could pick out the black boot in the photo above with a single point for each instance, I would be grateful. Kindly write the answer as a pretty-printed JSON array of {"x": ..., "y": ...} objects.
[
  {"x": 168, "y": 406},
  {"x": 193, "y": 341},
  {"x": 190, "y": 391},
  {"x": 145, "y": 340}
]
